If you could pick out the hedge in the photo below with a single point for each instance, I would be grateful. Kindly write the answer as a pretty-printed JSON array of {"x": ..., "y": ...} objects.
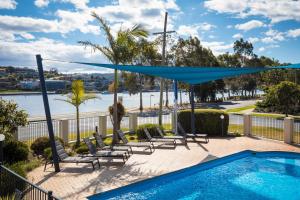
[
  {"x": 42, "y": 143},
  {"x": 152, "y": 130},
  {"x": 15, "y": 151},
  {"x": 207, "y": 121}
]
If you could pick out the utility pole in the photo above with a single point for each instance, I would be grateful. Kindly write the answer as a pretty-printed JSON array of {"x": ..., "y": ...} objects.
[
  {"x": 47, "y": 112},
  {"x": 164, "y": 33}
]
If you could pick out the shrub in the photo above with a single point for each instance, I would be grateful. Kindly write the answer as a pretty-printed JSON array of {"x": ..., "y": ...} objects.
[
  {"x": 207, "y": 121},
  {"x": 152, "y": 130},
  {"x": 7, "y": 182},
  {"x": 82, "y": 150},
  {"x": 48, "y": 153},
  {"x": 15, "y": 151},
  {"x": 41, "y": 143}
]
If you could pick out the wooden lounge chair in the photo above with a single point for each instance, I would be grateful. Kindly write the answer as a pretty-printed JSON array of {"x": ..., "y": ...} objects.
[
  {"x": 160, "y": 140},
  {"x": 125, "y": 142},
  {"x": 175, "y": 137},
  {"x": 190, "y": 135},
  {"x": 105, "y": 153},
  {"x": 65, "y": 158}
]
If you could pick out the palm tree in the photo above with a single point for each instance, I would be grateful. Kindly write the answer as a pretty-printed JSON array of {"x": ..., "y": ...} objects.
[
  {"x": 76, "y": 98},
  {"x": 119, "y": 50}
]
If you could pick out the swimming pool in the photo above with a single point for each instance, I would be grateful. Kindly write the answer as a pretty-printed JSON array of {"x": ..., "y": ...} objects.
[{"x": 245, "y": 175}]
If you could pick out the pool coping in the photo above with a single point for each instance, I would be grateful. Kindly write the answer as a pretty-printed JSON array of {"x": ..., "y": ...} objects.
[{"x": 199, "y": 167}]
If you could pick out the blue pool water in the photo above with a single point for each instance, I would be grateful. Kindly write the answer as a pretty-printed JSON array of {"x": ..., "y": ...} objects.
[{"x": 245, "y": 175}]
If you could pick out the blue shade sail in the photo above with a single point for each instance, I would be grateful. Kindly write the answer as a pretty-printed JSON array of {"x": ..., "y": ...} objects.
[{"x": 191, "y": 75}]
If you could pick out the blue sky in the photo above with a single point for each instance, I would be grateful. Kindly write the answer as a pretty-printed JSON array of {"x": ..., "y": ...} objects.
[{"x": 53, "y": 27}]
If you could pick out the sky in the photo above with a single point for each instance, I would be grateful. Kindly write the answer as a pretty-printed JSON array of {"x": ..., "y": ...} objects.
[{"x": 53, "y": 28}]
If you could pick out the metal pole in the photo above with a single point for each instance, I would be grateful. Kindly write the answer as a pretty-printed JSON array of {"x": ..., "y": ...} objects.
[
  {"x": 163, "y": 63},
  {"x": 175, "y": 106},
  {"x": 47, "y": 112},
  {"x": 192, "y": 110},
  {"x": 1, "y": 152}
]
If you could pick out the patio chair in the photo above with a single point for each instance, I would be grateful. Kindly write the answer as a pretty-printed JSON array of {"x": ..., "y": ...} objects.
[
  {"x": 101, "y": 145},
  {"x": 160, "y": 140},
  {"x": 105, "y": 153},
  {"x": 125, "y": 142},
  {"x": 191, "y": 135},
  {"x": 175, "y": 137},
  {"x": 65, "y": 158}
]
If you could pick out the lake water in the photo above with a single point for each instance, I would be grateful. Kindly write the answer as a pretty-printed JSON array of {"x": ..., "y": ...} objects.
[{"x": 33, "y": 104}]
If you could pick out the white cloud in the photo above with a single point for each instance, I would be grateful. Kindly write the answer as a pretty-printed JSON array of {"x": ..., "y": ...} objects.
[
  {"x": 8, "y": 4},
  {"x": 193, "y": 30},
  {"x": 69, "y": 21},
  {"x": 7, "y": 36},
  {"x": 261, "y": 49},
  {"x": 41, "y": 3},
  {"x": 218, "y": 47},
  {"x": 253, "y": 39},
  {"x": 294, "y": 33},
  {"x": 249, "y": 25},
  {"x": 275, "y": 10},
  {"x": 23, "y": 54},
  {"x": 273, "y": 36},
  {"x": 237, "y": 36},
  {"x": 79, "y": 4}
]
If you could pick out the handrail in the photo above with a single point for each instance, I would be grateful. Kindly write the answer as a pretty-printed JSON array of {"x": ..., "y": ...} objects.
[{"x": 48, "y": 193}]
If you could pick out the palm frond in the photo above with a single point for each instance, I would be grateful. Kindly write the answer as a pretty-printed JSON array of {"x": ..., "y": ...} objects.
[
  {"x": 105, "y": 28},
  {"x": 66, "y": 100}
]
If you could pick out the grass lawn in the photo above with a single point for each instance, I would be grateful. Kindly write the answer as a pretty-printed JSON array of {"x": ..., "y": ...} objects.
[
  {"x": 261, "y": 131},
  {"x": 236, "y": 110}
]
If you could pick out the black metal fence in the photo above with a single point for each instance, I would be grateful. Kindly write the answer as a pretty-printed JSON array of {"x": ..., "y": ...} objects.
[{"x": 16, "y": 187}]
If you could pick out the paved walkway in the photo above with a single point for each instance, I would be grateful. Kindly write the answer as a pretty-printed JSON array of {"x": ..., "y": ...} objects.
[{"x": 79, "y": 181}]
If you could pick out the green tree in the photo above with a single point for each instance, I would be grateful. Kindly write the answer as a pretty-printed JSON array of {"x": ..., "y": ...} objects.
[
  {"x": 243, "y": 49},
  {"x": 283, "y": 98},
  {"x": 10, "y": 118},
  {"x": 76, "y": 98},
  {"x": 120, "y": 49},
  {"x": 190, "y": 52}
]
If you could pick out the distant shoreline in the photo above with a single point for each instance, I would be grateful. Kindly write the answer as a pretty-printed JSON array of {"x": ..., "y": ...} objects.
[{"x": 22, "y": 93}]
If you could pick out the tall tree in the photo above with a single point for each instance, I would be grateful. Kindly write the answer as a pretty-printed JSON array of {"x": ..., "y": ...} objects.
[
  {"x": 190, "y": 52},
  {"x": 145, "y": 53},
  {"x": 119, "y": 50},
  {"x": 76, "y": 98},
  {"x": 243, "y": 49}
]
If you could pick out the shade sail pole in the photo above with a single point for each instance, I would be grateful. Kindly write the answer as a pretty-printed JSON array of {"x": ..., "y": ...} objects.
[
  {"x": 47, "y": 112},
  {"x": 175, "y": 106},
  {"x": 192, "y": 110}
]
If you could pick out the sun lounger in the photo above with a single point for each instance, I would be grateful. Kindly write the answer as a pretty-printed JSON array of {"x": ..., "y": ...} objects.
[
  {"x": 65, "y": 158},
  {"x": 125, "y": 142},
  {"x": 190, "y": 135},
  {"x": 105, "y": 153},
  {"x": 175, "y": 137},
  {"x": 160, "y": 140},
  {"x": 102, "y": 146}
]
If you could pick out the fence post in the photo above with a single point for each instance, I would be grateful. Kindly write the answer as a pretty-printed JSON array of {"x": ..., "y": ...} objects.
[
  {"x": 247, "y": 124},
  {"x": 50, "y": 195},
  {"x": 288, "y": 130},
  {"x": 64, "y": 130},
  {"x": 16, "y": 134},
  {"x": 133, "y": 122},
  {"x": 103, "y": 125},
  {"x": 173, "y": 122}
]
